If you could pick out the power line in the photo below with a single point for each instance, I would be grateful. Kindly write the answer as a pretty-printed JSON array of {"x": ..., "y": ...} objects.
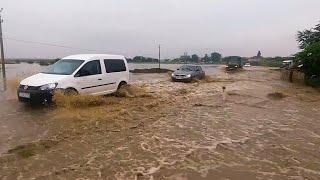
[{"x": 46, "y": 44}]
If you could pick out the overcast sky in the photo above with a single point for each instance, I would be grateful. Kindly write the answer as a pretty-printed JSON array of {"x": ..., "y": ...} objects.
[{"x": 135, "y": 27}]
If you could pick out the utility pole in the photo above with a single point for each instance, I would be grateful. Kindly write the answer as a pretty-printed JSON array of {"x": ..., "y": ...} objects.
[
  {"x": 2, "y": 55},
  {"x": 159, "y": 54},
  {"x": 185, "y": 57}
]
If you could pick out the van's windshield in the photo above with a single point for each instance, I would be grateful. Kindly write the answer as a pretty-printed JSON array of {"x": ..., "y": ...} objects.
[{"x": 64, "y": 67}]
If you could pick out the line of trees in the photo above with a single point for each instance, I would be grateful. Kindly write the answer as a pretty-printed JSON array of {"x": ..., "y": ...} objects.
[
  {"x": 142, "y": 59},
  {"x": 214, "y": 57}
]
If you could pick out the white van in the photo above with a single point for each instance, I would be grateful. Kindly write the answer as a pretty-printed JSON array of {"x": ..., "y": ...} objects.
[{"x": 96, "y": 74}]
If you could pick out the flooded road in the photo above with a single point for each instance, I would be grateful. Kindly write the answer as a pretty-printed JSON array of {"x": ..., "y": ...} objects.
[
  {"x": 20, "y": 124},
  {"x": 260, "y": 128}
]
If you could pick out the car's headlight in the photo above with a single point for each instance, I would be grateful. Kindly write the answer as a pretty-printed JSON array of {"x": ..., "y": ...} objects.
[
  {"x": 188, "y": 76},
  {"x": 172, "y": 74},
  {"x": 50, "y": 86}
]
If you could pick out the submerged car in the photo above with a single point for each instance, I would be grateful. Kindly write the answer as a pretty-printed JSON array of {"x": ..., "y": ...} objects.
[
  {"x": 95, "y": 74},
  {"x": 187, "y": 73}
]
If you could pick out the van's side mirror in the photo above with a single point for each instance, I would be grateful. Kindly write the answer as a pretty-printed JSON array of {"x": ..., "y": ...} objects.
[
  {"x": 77, "y": 74},
  {"x": 178, "y": 69},
  {"x": 82, "y": 72}
]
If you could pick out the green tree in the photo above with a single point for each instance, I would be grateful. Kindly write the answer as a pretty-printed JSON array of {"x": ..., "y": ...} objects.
[
  {"x": 195, "y": 58},
  {"x": 206, "y": 58},
  {"x": 308, "y": 37},
  {"x": 185, "y": 58},
  {"x": 310, "y": 58},
  {"x": 139, "y": 59},
  {"x": 309, "y": 42},
  {"x": 215, "y": 57}
]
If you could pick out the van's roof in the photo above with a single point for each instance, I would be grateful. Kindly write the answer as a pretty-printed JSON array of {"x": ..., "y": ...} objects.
[{"x": 94, "y": 56}]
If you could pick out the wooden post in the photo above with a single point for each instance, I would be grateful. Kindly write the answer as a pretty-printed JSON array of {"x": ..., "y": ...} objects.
[
  {"x": 2, "y": 56},
  {"x": 159, "y": 54}
]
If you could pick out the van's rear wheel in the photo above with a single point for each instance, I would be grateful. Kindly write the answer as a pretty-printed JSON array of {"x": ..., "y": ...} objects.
[{"x": 122, "y": 84}]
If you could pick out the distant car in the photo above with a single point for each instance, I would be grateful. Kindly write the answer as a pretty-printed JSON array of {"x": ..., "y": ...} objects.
[
  {"x": 287, "y": 64},
  {"x": 247, "y": 65},
  {"x": 187, "y": 73},
  {"x": 96, "y": 74},
  {"x": 234, "y": 62}
]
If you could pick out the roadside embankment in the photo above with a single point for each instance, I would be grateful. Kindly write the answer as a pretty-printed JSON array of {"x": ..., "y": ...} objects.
[{"x": 151, "y": 70}]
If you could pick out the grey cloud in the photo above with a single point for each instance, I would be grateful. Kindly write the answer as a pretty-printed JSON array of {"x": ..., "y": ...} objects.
[{"x": 135, "y": 27}]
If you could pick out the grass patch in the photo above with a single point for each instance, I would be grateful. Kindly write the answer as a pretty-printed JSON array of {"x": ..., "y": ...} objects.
[
  {"x": 276, "y": 95},
  {"x": 23, "y": 151},
  {"x": 30, "y": 149}
]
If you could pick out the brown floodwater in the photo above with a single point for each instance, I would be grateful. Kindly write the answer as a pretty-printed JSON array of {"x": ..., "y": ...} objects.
[
  {"x": 259, "y": 128},
  {"x": 20, "y": 123}
]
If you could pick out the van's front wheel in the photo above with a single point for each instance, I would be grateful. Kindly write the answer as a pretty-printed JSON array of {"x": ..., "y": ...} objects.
[{"x": 70, "y": 91}]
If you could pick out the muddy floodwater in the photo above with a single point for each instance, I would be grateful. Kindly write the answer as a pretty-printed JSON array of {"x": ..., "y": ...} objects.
[{"x": 259, "y": 128}]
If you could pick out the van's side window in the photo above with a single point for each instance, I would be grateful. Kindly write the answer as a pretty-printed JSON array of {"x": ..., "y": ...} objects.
[
  {"x": 91, "y": 68},
  {"x": 114, "y": 65}
]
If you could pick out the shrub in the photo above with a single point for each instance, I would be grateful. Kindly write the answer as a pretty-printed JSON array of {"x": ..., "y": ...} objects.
[{"x": 310, "y": 57}]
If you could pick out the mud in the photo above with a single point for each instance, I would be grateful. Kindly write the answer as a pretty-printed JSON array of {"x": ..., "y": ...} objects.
[{"x": 181, "y": 131}]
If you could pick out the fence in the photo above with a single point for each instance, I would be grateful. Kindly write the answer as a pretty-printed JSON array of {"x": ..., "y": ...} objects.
[{"x": 293, "y": 76}]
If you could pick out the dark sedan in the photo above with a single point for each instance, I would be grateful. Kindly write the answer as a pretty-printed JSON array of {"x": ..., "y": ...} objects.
[{"x": 187, "y": 73}]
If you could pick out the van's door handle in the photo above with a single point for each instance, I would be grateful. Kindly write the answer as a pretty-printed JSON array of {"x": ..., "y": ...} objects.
[{"x": 99, "y": 79}]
